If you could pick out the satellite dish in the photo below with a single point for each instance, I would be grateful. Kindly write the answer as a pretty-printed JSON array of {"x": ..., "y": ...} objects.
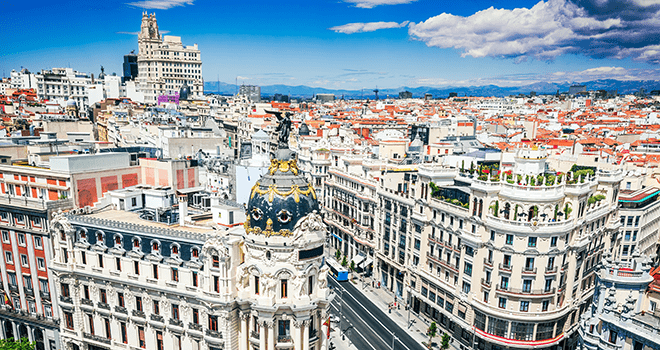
[{"x": 158, "y": 153}]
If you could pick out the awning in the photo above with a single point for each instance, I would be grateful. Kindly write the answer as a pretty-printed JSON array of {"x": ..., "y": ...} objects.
[
  {"x": 358, "y": 259},
  {"x": 368, "y": 261},
  {"x": 337, "y": 237}
]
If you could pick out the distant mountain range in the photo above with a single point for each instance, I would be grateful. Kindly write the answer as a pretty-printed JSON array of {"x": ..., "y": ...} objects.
[{"x": 622, "y": 87}]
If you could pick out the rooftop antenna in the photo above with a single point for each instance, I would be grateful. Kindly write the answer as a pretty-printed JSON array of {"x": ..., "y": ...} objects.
[{"x": 376, "y": 91}]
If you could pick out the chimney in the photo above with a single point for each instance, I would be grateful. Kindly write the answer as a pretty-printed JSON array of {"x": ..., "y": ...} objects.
[{"x": 183, "y": 209}]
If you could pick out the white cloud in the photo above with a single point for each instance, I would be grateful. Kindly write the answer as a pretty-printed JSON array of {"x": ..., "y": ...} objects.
[
  {"x": 351, "y": 28},
  {"x": 160, "y": 4},
  {"x": 590, "y": 74},
  {"x": 544, "y": 31},
  {"x": 367, "y": 4}
]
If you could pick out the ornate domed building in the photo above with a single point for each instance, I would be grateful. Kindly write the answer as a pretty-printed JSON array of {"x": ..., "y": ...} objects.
[
  {"x": 282, "y": 278},
  {"x": 127, "y": 282}
]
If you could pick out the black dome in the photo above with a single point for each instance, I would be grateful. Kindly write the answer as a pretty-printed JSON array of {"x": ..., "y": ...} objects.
[
  {"x": 304, "y": 130},
  {"x": 184, "y": 92},
  {"x": 279, "y": 199}
]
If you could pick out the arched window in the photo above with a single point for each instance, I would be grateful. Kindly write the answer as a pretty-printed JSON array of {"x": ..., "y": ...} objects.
[
  {"x": 118, "y": 240},
  {"x": 136, "y": 243},
  {"x": 174, "y": 249},
  {"x": 155, "y": 247},
  {"x": 100, "y": 237},
  {"x": 82, "y": 234}
]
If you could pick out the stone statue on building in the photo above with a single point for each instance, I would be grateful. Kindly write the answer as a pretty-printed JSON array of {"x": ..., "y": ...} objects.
[{"x": 283, "y": 128}]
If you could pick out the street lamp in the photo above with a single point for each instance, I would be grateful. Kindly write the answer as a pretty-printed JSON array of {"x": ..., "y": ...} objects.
[
  {"x": 393, "y": 337},
  {"x": 409, "y": 302}
]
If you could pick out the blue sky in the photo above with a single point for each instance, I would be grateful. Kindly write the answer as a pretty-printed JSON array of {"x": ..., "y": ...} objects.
[{"x": 351, "y": 44}]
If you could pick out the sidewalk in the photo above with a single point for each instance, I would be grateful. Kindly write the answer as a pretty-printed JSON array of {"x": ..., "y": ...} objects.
[{"x": 382, "y": 298}]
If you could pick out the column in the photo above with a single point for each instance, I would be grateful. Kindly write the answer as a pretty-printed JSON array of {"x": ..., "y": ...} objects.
[
  {"x": 296, "y": 336},
  {"x": 244, "y": 335},
  {"x": 324, "y": 333},
  {"x": 271, "y": 334},
  {"x": 262, "y": 336},
  {"x": 305, "y": 330}
]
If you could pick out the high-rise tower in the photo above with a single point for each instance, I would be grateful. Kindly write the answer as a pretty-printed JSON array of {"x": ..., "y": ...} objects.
[{"x": 165, "y": 64}]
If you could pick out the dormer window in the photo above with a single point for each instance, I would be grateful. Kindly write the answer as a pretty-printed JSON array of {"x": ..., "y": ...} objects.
[
  {"x": 155, "y": 247},
  {"x": 136, "y": 243},
  {"x": 175, "y": 250},
  {"x": 100, "y": 238},
  {"x": 118, "y": 241},
  {"x": 195, "y": 253}
]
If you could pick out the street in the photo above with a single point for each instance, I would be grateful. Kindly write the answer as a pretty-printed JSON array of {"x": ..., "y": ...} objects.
[{"x": 372, "y": 328}]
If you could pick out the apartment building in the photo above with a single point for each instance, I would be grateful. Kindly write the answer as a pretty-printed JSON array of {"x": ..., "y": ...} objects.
[
  {"x": 30, "y": 308},
  {"x": 639, "y": 212},
  {"x": 624, "y": 313},
  {"x": 498, "y": 260}
]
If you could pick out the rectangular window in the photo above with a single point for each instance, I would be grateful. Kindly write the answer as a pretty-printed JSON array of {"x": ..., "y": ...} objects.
[
  {"x": 553, "y": 241},
  {"x": 124, "y": 334},
  {"x": 544, "y": 305},
  {"x": 90, "y": 322},
  {"x": 256, "y": 285},
  {"x": 104, "y": 296},
  {"x": 118, "y": 263},
  {"x": 120, "y": 299},
  {"x": 485, "y": 297},
  {"x": 38, "y": 243},
  {"x": 502, "y": 303},
  {"x": 138, "y": 303},
  {"x": 216, "y": 284},
  {"x": 310, "y": 285},
  {"x": 141, "y": 340},
  {"x": 108, "y": 332},
  {"x": 216, "y": 261},
  {"x": 213, "y": 323},
  {"x": 5, "y": 236},
  {"x": 468, "y": 269},
  {"x": 41, "y": 263},
  {"x": 524, "y": 306},
  {"x": 24, "y": 260},
  {"x": 531, "y": 242},
  {"x": 101, "y": 260},
  {"x": 195, "y": 316},
  {"x": 527, "y": 286},
  {"x": 21, "y": 239},
  {"x": 194, "y": 278},
  {"x": 466, "y": 287},
  {"x": 83, "y": 258},
  {"x": 156, "y": 307},
  {"x": 509, "y": 239},
  {"x": 175, "y": 312},
  {"x": 68, "y": 320},
  {"x": 8, "y": 257},
  {"x": 283, "y": 288},
  {"x": 155, "y": 271},
  {"x": 175, "y": 275},
  {"x": 27, "y": 282},
  {"x": 136, "y": 267}
]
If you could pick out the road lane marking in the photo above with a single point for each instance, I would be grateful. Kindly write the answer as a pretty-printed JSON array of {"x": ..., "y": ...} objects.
[{"x": 368, "y": 312}]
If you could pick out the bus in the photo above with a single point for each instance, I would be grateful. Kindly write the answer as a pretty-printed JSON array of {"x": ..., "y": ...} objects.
[{"x": 340, "y": 272}]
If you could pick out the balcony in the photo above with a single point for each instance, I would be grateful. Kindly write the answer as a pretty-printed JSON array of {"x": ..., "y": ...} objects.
[
  {"x": 529, "y": 270},
  {"x": 66, "y": 300},
  {"x": 157, "y": 318},
  {"x": 29, "y": 291},
  {"x": 214, "y": 334},
  {"x": 505, "y": 267},
  {"x": 120, "y": 309},
  {"x": 488, "y": 263},
  {"x": 44, "y": 295},
  {"x": 96, "y": 338},
  {"x": 525, "y": 291},
  {"x": 87, "y": 302},
  {"x": 102, "y": 305},
  {"x": 286, "y": 338},
  {"x": 138, "y": 313},
  {"x": 13, "y": 288},
  {"x": 176, "y": 322},
  {"x": 486, "y": 283},
  {"x": 195, "y": 326},
  {"x": 550, "y": 269},
  {"x": 254, "y": 335}
]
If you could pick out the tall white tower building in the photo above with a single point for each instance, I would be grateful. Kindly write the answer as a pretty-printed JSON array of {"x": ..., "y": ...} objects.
[{"x": 165, "y": 65}]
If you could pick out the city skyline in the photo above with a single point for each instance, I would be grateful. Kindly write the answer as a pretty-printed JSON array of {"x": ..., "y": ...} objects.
[{"x": 364, "y": 44}]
